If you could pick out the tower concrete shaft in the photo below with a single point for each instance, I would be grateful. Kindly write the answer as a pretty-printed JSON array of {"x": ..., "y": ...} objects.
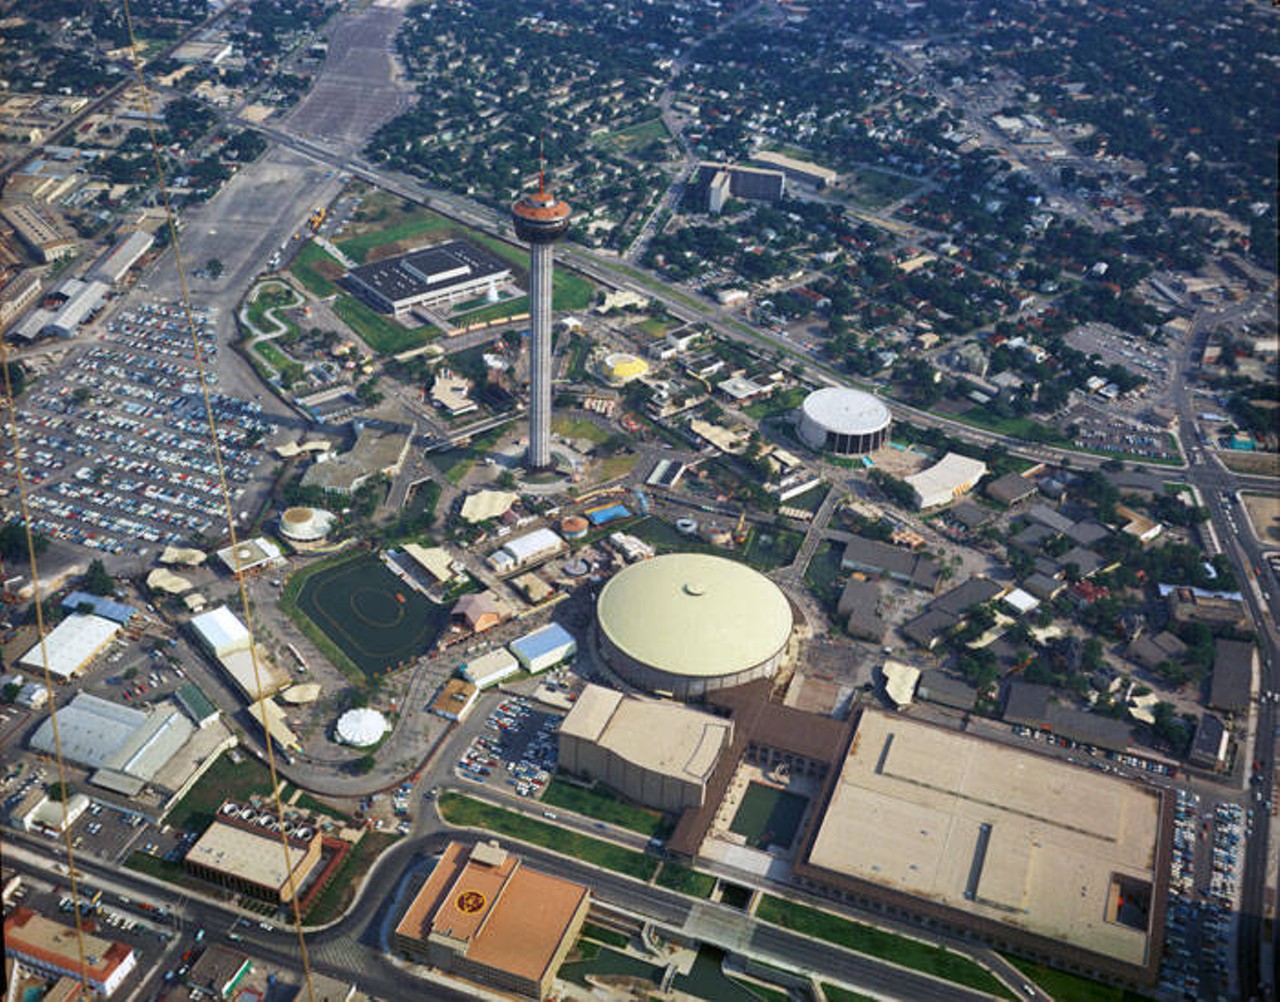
[
  {"x": 540, "y": 271},
  {"x": 540, "y": 219}
]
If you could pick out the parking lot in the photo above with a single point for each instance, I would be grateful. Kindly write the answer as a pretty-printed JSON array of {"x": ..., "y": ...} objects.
[
  {"x": 117, "y": 442},
  {"x": 1204, "y": 893},
  {"x": 517, "y": 750}
]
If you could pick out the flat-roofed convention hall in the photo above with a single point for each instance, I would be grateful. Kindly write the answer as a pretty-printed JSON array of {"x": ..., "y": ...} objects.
[
  {"x": 845, "y": 421},
  {"x": 484, "y": 916},
  {"x": 1028, "y": 852},
  {"x": 685, "y": 624},
  {"x": 609, "y": 737},
  {"x": 429, "y": 276}
]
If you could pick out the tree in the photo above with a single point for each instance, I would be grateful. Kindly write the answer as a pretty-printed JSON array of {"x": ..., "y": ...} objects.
[
  {"x": 13, "y": 542},
  {"x": 59, "y": 790},
  {"x": 97, "y": 581},
  {"x": 214, "y": 268},
  {"x": 10, "y": 692},
  {"x": 366, "y": 763}
]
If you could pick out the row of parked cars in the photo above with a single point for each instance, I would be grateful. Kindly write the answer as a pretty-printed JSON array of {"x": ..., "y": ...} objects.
[{"x": 128, "y": 424}]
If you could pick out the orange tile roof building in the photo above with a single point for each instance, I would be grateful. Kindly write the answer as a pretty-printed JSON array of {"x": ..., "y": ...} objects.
[
  {"x": 483, "y": 916},
  {"x": 51, "y": 948}
]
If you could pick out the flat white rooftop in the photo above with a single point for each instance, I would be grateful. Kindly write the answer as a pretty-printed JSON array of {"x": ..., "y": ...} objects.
[{"x": 995, "y": 831}]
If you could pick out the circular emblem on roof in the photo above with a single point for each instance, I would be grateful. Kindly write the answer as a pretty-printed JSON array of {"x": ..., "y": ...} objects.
[
  {"x": 469, "y": 902},
  {"x": 695, "y": 588}
]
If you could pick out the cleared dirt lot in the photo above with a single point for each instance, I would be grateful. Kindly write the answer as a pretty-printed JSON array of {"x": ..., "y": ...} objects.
[{"x": 1264, "y": 513}]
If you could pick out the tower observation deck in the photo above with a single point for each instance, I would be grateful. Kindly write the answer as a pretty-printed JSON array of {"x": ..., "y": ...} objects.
[{"x": 540, "y": 220}]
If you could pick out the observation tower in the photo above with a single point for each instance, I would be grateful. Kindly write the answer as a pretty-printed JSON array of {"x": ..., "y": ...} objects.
[{"x": 540, "y": 220}]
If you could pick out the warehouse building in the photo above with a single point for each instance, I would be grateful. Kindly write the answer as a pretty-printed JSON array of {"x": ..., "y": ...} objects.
[
  {"x": 242, "y": 850},
  {"x": 56, "y": 950},
  {"x": 221, "y": 634},
  {"x": 431, "y": 276},
  {"x": 609, "y": 738},
  {"x": 1029, "y": 853},
  {"x": 843, "y": 421},
  {"x": 490, "y": 669},
  {"x": 544, "y": 648},
  {"x": 800, "y": 171},
  {"x": 71, "y": 645},
  {"x": 1010, "y": 489},
  {"x": 525, "y": 551},
  {"x": 685, "y": 624},
  {"x": 115, "y": 263},
  {"x": 126, "y": 749},
  {"x": 83, "y": 300},
  {"x": 484, "y": 916},
  {"x": 946, "y": 480}
]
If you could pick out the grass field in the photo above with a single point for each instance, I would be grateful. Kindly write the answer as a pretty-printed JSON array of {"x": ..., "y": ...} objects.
[
  {"x": 342, "y": 888},
  {"x": 1062, "y": 985},
  {"x": 679, "y": 878},
  {"x": 224, "y": 780},
  {"x": 1265, "y": 464},
  {"x": 1024, "y": 428},
  {"x": 464, "y": 811},
  {"x": 604, "y": 806},
  {"x": 315, "y": 269},
  {"x": 416, "y": 225},
  {"x": 381, "y": 334},
  {"x": 768, "y": 547},
  {"x": 568, "y": 291},
  {"x": 637, "y": 136},
  {"x": 823, "y": 574},
  {"x": 918, "y": 956},
  {"x": 514, "y": 307},
  {"x": 268, "y": 298},
  {"x": 290, "y": 371},
  {"x": 578, "y": 428},
  {"x": 768, "y": 816},
  {"x": 378, "y": 621},
  {"x": 876, "y": 189},
  {"x": 835, "y": 993}
]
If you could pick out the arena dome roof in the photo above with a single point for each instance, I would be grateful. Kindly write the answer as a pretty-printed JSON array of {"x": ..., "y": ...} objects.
[
  {"x": 362, "y": 728},
  {"x": 846, "y": 411},
  {"x": 693, "y": 616}
]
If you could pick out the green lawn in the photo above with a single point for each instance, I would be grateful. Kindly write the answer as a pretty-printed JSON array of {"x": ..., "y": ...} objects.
[
  {"x": 1062, "y": 985},
  {"x": 578, "y": 428},
  {"x": 1024, "y": 428},
  {"x": 637, "y": 136},
  {"x": 224, "y": 780},
  {"x": 835, "y": 993},
  {"x": 464, "y": 811},
  {"x": 568, "y": 290},
  {"x": 382, "y": 335},
  {"x": 933, "y": 960},
  {"x": 304, "y": 269},
  {"x": 513, "y": 307},
  {"x": 290, "y": 371},
  {"x": 604, "y": 805},
  {"x": 777, "y": 403},
  {"x": 875, "y": 189},
  {"x": 342, "y": 888},
  {"x": 679, "y": 878},
  {"x": 268, "y": 298},
  {"x": 609, "y": 937},
  {"x": 358, "y": 247},
  {"x": 760, "y": 991}
]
